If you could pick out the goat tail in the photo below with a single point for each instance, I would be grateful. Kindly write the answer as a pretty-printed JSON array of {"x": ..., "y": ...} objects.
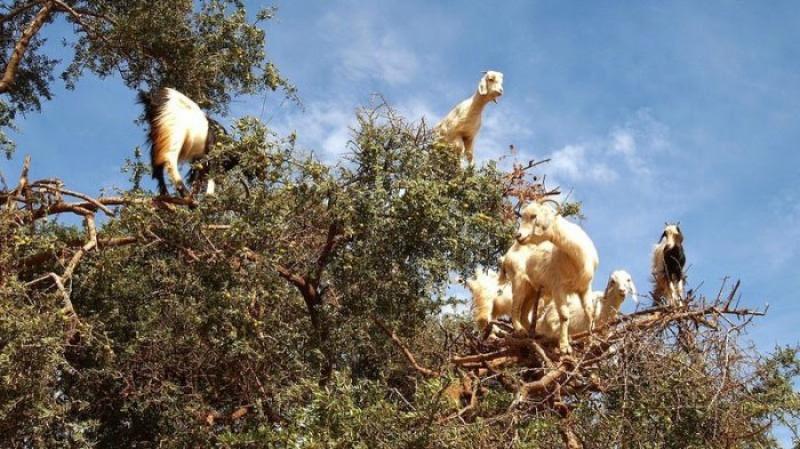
[
  {"x": 152, "y": 103},
  {"x": 146, "y": 100}
]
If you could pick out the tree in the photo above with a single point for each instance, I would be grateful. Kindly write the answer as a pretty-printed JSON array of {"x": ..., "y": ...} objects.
[
  {"x": 210, "y": 54},
  {"x": 304, "y": 306}
]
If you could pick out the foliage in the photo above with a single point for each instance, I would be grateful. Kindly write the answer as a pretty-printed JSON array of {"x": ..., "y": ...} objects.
[
  {"x": 211, "y": 50},
  {"x": 308, "y": 304},
  {"x": 256, "y": 318}
]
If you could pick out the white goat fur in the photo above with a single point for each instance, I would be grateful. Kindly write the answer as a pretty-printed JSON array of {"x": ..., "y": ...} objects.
[
  {"x": 606, "y": 305},
  {"x": 460, "y": 126},
  {"x": 492, "y": 300},
  {"x": 564, "y": 267},
  {"x": 179, "y": 132}
]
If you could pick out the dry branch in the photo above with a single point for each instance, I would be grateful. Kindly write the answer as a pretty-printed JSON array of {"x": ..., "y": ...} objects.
[
  {"x": 543, "y": 376},
  {"x": 408, "y": 355}
]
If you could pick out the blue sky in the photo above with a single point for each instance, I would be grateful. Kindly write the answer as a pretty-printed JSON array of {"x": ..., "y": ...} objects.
[{"x": 652, "y": 111}]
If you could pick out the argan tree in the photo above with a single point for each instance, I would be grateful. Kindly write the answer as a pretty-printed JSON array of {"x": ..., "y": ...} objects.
[
  {"x": 210, "y": 50},
  {"x": 308, "y": 304}
]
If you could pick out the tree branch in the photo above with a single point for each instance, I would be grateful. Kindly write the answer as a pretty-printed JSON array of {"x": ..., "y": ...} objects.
[
  {"x": 17, "y": 11},
  {"x": 408, "y": 355},
  {"x": 14, "y": 61}
]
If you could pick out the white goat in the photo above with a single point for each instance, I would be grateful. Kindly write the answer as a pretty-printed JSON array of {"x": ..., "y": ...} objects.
[
  {"x": 606, "y": 305},
  {"x": 179, "y": 131},
  {"x": 668, "y": 265},
  {"x": 566, "y": 267},
  {"x": 460, "y": 126},
  {"x": 490, "y": 300}
]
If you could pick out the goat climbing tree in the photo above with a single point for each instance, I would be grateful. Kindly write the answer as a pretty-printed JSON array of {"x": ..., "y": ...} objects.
[{"x": 304, "y": 305}]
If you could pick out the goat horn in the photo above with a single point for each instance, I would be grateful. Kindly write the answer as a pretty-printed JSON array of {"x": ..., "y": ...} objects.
[
  {"x": 484, "y": 72},
  {"x": 557, "y": 204}
]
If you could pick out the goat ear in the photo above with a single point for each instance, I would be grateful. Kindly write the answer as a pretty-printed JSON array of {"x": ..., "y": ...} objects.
[{"x": 483, "y": 87}]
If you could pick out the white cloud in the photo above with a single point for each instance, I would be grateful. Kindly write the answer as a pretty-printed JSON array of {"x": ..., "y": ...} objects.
[
  {"x": 501, "y": 126},
  {"x": 780, "y": 240},
  {"x": 416, "y": 109},
  {"x": 638, "y": 141},
  {"x": 322, "y": 127},
  {"x": 623, "y": 142},
  {"x": 574, "y": 163},
  {"x": 368, "y": 51}
]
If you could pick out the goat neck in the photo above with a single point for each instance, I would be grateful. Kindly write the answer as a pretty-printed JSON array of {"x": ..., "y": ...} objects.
[
  {"x": 572, "y": 240},
  {"x": 610, "y": 303},
  {"x": 476, "y": 105}
]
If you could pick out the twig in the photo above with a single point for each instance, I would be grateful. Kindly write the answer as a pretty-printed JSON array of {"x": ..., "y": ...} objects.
[{"x": 408, "y": 355}]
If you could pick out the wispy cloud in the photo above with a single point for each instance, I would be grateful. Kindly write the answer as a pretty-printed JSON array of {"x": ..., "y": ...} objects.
[
  {"x": 368, "y": 51},
  {"x": 573, "y": 163},
  {"x": 780, "y": 240},
  {"x": 639, "y": 139},
  {"x": 323, "y": 127},
  {"x": 503, "y": 125},
  {"x": 629, "y": 151}
]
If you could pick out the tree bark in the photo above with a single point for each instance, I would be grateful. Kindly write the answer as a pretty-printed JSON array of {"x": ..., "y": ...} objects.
[{"x": 19, "y": 49}]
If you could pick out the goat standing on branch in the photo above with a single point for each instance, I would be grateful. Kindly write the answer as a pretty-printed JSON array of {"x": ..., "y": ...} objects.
[
  {"x": 179, "y": 131},
  {"x": 553, "y": 257},
  {"x": 460, "y": 126},
  {"x": 606, "y": 305},
  {"x": 492, "y": 300},
  {"x": 669, "y": 261}
]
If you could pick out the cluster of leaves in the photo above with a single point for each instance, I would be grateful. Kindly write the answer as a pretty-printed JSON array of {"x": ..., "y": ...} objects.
[
  {"x": 211, "y": 50},
  {"x": 273, "y": 314},
  {"x": 271, "y": 285},
  {"x": 256, "y": 318}
]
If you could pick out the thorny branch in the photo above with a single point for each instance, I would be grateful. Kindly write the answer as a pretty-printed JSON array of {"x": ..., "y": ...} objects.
[
  {"x": 543, "y": 380},
  {"x": 32, "y": 201}
]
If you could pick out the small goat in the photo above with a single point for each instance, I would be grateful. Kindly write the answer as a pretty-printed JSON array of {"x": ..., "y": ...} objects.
[
  {"x": 460, "y": 126},
  {"x": 668, "y": 265},
  {"x": 490, "y": 300},
  {"x": 179, "y": 131},
  {"x": 606, "y": 305}
]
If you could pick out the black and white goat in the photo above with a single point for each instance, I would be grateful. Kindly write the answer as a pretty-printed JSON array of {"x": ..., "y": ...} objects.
[
  {"x": 669, "y": 261},
  {"x": 179, "y": 132}
]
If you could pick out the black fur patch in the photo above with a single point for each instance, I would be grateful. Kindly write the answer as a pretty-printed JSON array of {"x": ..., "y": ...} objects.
[
  {"x": 674, "y": 262},
  {"x": 153, "y": 102}
]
